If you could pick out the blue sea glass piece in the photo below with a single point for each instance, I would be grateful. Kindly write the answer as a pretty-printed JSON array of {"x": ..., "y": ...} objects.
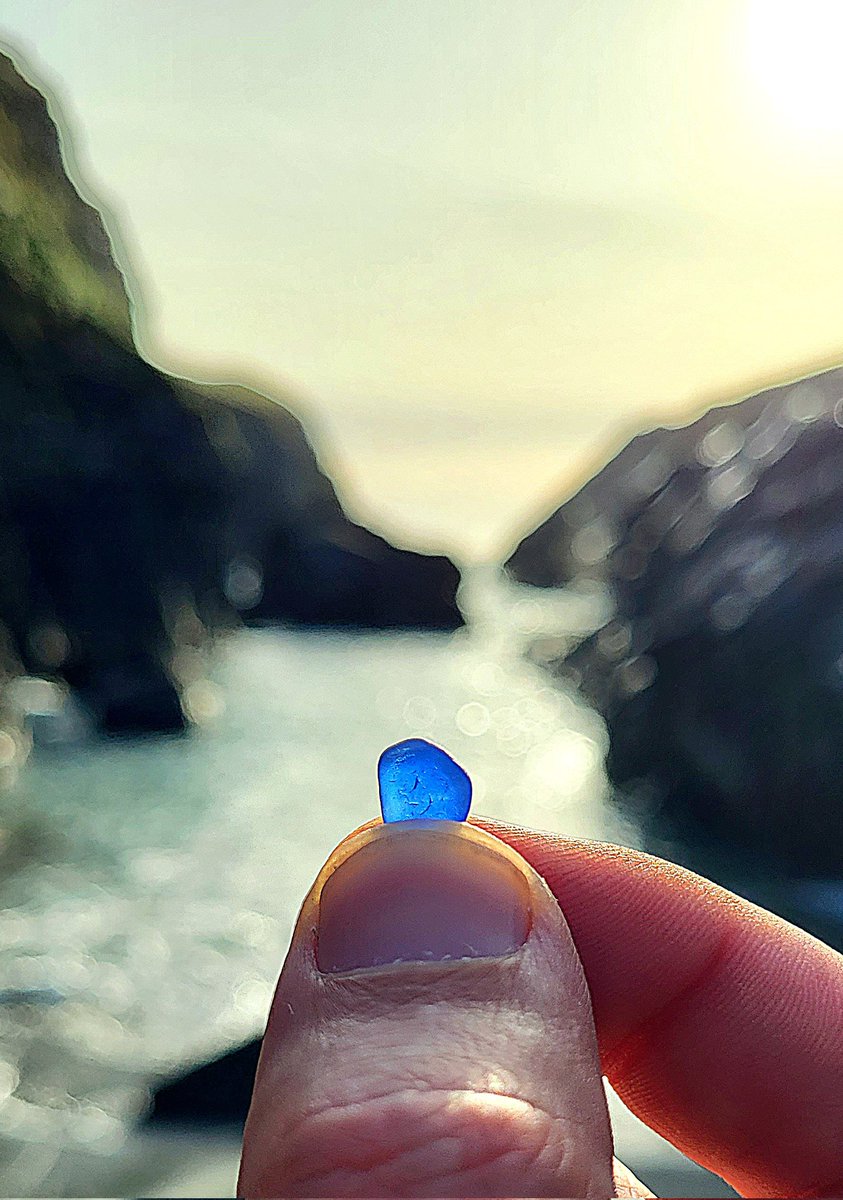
[{"x": 418, "y": 781}]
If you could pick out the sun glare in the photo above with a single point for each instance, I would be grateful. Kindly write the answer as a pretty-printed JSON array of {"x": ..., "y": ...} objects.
[{"x": 795, "y": 52}]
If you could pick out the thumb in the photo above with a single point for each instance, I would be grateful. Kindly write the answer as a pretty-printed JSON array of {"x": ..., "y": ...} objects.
[{"x": 431, "y": 1033}]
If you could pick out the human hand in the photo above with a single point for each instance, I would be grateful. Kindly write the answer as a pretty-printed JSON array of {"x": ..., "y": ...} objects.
[{"x": 719, "y": 1025}]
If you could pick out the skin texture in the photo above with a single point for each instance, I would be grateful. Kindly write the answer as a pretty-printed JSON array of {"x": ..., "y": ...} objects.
[{"x": 720, "y": 1025}]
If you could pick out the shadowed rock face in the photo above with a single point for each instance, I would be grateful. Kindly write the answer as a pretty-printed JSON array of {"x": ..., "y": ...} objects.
[
  {"x": 721, "y": 674},
  {"x": 138, "y": 509}
]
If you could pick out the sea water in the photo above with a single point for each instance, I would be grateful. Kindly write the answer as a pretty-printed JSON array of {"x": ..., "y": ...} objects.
[{"x": 150, "y": 887}]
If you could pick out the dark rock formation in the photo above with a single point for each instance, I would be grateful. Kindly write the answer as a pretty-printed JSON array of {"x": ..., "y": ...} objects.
[
  {"x": 721, "y": 674},
  {"x": 137, "y": 509},
  {"x": 217, "y": 1092}
]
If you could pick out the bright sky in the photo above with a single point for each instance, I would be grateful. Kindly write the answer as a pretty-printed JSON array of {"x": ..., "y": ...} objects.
[{"x": 483, "y": 240}]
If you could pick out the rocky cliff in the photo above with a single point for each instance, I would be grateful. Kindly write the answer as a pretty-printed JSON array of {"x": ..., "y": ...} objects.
[
  {"x": 721, "y": 674},
  {"x": 137, "y": 509}
]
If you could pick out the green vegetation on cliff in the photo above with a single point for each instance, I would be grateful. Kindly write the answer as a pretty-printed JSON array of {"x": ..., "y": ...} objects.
[{"x": 52, "y": 243}]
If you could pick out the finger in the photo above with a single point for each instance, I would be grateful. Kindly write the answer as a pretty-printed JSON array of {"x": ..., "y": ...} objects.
[
  {"x": 431, "y": 1034},
  {"x": 719, "y": 1024},
  {"x": 627, "y": 1186}
]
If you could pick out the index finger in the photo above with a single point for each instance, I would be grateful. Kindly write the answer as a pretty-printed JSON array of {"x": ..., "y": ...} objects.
[{"x": 719, "y": 1024}]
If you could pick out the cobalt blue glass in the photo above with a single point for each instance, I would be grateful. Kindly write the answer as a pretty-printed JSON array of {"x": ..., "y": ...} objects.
[{"x": 418, "y": 781}]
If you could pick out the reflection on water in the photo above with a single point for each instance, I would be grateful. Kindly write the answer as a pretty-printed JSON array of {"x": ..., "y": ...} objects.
[{"x": 149, "y": 889}]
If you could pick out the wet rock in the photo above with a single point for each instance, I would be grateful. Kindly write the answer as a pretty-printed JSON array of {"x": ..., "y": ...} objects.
[
  {"x": 136, "y": 506},
  {"x": 217, "y": 1092},
  {"x": 720, "y": 675}
]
